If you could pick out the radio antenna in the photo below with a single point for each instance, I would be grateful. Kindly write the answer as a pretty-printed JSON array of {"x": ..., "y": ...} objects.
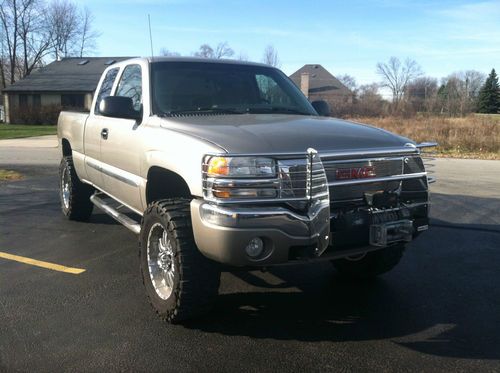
[{"x": 150, "y": 37}]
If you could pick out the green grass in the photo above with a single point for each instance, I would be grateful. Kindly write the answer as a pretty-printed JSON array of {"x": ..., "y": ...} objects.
[{"x": 15, "y": 131}]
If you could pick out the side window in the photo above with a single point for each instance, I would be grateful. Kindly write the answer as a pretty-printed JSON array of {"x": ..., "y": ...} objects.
[
  {"x": 130, "y": 85},
  {"x": 106, "y": 87}
]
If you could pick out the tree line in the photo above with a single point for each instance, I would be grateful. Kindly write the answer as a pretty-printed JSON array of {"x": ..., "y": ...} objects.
[
  {"x": 223, "y": 50},
  {"x": 412, "y": 92},
  {"x": 32, "y": 30}
]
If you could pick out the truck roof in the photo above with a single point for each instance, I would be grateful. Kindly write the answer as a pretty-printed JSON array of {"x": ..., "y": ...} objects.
[{"x": 194, "y": 59}]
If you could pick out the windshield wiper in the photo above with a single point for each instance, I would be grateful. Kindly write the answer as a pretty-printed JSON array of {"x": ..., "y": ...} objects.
[
  {"x": 277, "y": 109},
  {"x": 215, "y": 110}
]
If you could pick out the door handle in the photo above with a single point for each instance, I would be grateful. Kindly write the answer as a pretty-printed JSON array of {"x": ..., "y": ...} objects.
[{"x": 104, "y": 133}]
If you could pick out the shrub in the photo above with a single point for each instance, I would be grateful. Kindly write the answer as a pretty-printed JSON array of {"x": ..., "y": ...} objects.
[{"x": 46, "y": 114}]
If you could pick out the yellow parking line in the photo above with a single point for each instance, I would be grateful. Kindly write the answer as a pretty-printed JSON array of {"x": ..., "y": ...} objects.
[{"x": 39, "y": 263}]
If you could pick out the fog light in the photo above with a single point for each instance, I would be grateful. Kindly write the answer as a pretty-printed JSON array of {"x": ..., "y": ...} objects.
[{"x": 255, "y": 247}]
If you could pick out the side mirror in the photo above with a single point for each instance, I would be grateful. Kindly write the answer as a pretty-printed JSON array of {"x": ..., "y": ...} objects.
[
  {"x": 118, "y": 107},
  {"x": 321, "y": 107}
]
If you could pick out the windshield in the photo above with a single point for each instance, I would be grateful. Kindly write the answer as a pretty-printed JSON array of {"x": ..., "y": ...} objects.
[{"x": 196, "y": 87}]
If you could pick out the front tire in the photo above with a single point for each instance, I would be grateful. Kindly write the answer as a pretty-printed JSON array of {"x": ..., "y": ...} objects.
[
  {"x": 371, "y": 264},
  {"x": 74, "y": 195},
  {"x": 180, "y": 282}
]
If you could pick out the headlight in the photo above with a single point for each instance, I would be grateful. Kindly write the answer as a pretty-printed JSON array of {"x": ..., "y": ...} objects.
[
  {"x": 241, "y": 167},
  {"x": 240, "y": 178}
]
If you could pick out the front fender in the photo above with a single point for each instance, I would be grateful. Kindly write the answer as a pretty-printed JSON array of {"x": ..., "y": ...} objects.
[{"x": 179, "y": 153}]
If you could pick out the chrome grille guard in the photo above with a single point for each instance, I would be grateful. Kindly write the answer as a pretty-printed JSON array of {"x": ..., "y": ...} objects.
[{"x": 300, "y": 176}]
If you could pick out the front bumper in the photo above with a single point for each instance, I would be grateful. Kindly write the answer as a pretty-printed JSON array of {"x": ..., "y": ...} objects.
[{"x": 222, "y": 233}]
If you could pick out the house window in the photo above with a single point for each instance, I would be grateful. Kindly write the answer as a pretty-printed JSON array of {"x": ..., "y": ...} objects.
[
  {"x": 37, "y": 101},
  {"x": 23, "y": 100},
  {"x": 75, "y": 101}
]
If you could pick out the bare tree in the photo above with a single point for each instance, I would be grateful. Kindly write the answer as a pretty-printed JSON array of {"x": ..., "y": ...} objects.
[
  {"x": 71, "y": 29},
  {"x": 2, "y": 72},
  {"x": 168, "y": 53},
  {"x": 87, "y": 34},
  {"x": 421, "y": 94},
  {"x": 31, "y": 30},
  {"x": 63, "y": 20},
  {"x": 205, "y": 51},
  {"x": 271, "y": 57},
  {"x": 34, "y": 36},
  {"x": 459, "y": 92},
  {"x": 10, "y": 25},
  {"x": 474, "y": 80},
  {"x": 349, "y": 81},
  {"x": 222, "y": 50},
  {"x": 450, "y": 95},
  {"x": 396, "y": 76},
  {"x": 369, "y": 102},
  {"x": 24, "y": 37},
  {"x": 242, "y": 56}
]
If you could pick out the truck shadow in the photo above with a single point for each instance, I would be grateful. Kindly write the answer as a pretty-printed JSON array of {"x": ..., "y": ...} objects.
[{"x": 443, "y": 299}]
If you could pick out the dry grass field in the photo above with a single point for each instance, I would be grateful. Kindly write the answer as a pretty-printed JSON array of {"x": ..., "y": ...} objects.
[{"x": 474, "y": 136}]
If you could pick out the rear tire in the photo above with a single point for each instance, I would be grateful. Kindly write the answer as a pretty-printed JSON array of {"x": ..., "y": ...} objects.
[
  {"x": 74, "y": 195},
  {"x": 180, "y": 282},
  {"x": 372, "y": 264}
]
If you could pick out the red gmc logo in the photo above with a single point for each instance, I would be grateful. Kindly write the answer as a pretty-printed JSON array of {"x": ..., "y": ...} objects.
[{"x": 355, "y": 173}]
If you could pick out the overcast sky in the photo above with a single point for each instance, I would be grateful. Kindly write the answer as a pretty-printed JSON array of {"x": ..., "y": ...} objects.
[{"x": 347, "y": 37}]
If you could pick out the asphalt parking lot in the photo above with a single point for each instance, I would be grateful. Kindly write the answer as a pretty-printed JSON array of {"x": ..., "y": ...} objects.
[{"x": 438, "y": 310}]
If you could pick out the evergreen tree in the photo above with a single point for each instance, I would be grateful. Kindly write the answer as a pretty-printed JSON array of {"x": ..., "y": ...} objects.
[{"x": 489, "y": 96}]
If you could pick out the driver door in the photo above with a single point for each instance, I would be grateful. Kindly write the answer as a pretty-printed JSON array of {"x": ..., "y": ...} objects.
[{"x": 121, "y": 148}]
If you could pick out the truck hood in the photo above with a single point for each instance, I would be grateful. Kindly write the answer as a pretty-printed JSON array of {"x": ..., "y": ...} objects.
[{"x": 266, "y": 133}]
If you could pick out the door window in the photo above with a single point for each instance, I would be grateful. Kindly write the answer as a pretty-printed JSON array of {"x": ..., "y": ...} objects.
[
  {"x": 106, "y": 87},
  {"x": 130, "y": 85}
]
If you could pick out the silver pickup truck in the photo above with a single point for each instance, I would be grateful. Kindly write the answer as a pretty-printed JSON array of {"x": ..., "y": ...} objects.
[{"x": 225, "y": 163}]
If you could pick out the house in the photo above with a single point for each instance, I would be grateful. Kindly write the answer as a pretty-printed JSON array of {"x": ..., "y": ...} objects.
[
  {"x": 317, "y": 83},
  {"x": 66, "y": 84}
]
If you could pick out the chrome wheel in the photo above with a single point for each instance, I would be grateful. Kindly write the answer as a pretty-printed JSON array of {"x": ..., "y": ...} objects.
[
  {"x": 65, "y": 187},
  {"x": 161, "y": 261}
]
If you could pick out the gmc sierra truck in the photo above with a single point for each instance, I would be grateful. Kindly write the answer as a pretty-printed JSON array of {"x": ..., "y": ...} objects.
[{"x": 223, "y": 163}]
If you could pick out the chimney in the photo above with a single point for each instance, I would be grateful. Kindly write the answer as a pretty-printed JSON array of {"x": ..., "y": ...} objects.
[{"x": 304, "y": 84}]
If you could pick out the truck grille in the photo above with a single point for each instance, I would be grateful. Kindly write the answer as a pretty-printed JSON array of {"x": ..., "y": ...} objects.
[{"x": 379, "y": 168}]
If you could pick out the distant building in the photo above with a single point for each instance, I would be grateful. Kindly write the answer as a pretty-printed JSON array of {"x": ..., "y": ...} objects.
[
  {"x": 317, "y": 83},
  {"x": 66, "y": 84}
]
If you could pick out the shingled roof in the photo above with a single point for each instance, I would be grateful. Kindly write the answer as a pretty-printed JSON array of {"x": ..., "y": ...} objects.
[
  {"x": 70, "y": 74},
  {"x": 320, "y": 80}
]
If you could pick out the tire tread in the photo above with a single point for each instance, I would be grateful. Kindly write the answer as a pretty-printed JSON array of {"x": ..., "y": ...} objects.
[
  {"x": 80, "y": 206},
  {"x": 199, "y": 277}
]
